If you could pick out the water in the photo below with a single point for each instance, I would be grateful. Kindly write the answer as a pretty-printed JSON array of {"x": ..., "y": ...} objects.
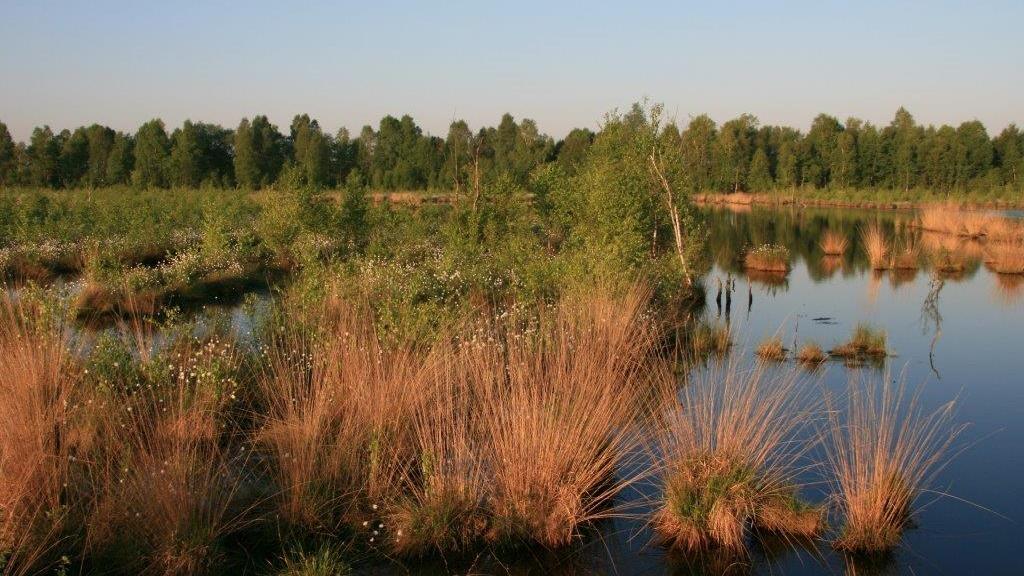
[
  {"x": 972, "y": 350},
  {"x": 968, "y": 345}
]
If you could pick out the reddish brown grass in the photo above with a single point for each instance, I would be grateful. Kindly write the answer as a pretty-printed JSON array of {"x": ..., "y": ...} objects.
[
  {"x": 38, "y": 386},
  {"x": 884, "y": 452},
  {"x": 834, "y": 243},
  {"x": 724, "y": 460},
  {"x": 1005, "y": 257},
  {"x": 876, "y": 246}
]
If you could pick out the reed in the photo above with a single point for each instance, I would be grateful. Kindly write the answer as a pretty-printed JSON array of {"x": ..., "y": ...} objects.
[
  {"x": 884, "y": 451},
  {"x": 767, "y": 258},
  {"x": 771, "y": 348},
  {"x": 39, "y": 384},
  {"x": 562, "y": 425},
  {"x": 1005, "y": 257},
  {"x": 834, "y": 243},
  {"x": 876, "y": 246},
  {"x": 725, "y": 463},
  {"x": 164, "y": 481}
]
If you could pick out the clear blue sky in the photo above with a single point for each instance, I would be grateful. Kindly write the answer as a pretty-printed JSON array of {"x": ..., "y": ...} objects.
[{"x": 562, "y": 63}]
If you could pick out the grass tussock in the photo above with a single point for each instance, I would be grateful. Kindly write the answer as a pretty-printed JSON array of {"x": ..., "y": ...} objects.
[
  {"x": 771, "y": 348},
  {"x": 767, "y": 258},
  {"x": 906, "y": 255},
  {"x": 884, "y": 452},
  {"x": 725, "y": 463},
  {"x": 955, "y": 220},
  {"x": 1005, "y": 257},
  {"x": 811, "y": 354},
  {"x": 38, "y": 385},
  {"x": 866, "y": 342},
  {"x": 877, "y": 247},
  {"x": 710, "y": 338},
  {"x": 510, "y": 436},
  {"x": 834, "y": 243}
]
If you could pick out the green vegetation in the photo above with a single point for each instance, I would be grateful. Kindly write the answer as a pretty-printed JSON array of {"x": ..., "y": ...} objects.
[{"x": 851, "y": 161}]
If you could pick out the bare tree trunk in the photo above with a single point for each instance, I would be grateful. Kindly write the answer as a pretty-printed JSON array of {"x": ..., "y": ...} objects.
[{"x": 673, "y": 213}]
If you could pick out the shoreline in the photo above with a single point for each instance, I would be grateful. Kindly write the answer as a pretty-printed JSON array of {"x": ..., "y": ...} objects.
[{"x": 770, "y": 199}]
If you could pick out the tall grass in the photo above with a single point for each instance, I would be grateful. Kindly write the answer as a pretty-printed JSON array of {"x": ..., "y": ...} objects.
[
  {"x": 1005, "y": 257},
  {"x": 726, "y": 462},
  {"x": 876, "y": 246},
  {"x": 38, "y": 387},
  {"x": 955, "y": 220},
  {"x": 884, "y": 451},
  {"x": 509, "y": 434},
  {"x": 834, "y": 243}
]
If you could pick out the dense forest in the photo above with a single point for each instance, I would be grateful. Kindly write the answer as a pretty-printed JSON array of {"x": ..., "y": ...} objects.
[{"x": 739, "y": 155}]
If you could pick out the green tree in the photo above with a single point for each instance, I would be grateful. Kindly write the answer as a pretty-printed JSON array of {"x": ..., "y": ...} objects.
[
  {"x": 259, "y": 153},
  {"x": 44, "y": 158},
  {"x": 975, "y": 152},
  {"x": 734, "y": 152},
  {"x": 8, "y": 159},
  {"x": 572, "y": 151},
  {"x": 902, "y": 140},
  {"x": 760, "y": 178},
  {"x": 699, "y": 142},
  {"x": 100, "y": 143},
  {"x": 1008, "y": 150},
  {"x": 121, "y": 161},
  {"x": 152, "y": 152},
  {"x": 355, "y": 208}
]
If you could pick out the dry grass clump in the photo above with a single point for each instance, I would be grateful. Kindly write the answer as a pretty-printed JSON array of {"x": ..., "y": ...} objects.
[
  {"x": 337, "y": 411},
  {"x": 834, "y": 243},
  {"x": 1005, "y": 258},
  {"x": 710, "y": 338},
  {"x": 510, "y": 432},
  {"x": 38, "y": 387},
  {"x": 884, "y": 454},
  {"x": 865, "y": 342},
  {"x": 767, "y": 258},
  {"x": 811, "y": 354},
  {"x": 560, "y": 425},
  {"x": 876, "y": 246},
  {"x": 726, "y": 464},
  {"x": 955, "y": 220},
  {"x": 771, "y": 348},
  {"x": 906, "y": 255},
  {"x": 164, "y": 479}
]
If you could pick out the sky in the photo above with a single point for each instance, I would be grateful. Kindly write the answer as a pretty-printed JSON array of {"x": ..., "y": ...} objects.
[{"x": 564, "y": 64}]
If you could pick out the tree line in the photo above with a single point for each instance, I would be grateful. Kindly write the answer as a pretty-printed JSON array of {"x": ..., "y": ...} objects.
[{"x": 739, "y": 155}]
